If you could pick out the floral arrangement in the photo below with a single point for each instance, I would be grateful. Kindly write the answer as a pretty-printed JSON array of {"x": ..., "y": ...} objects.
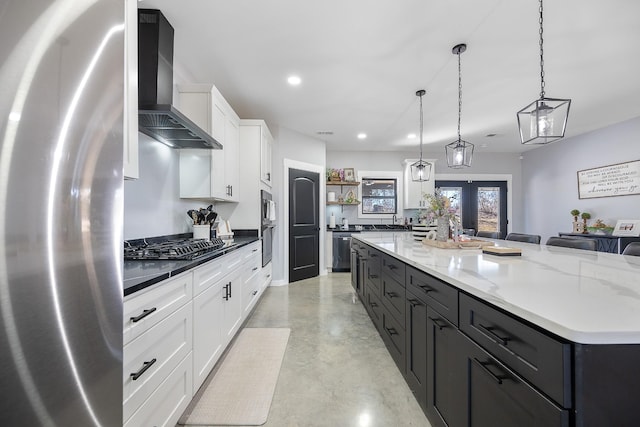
[
  {"x": 335, "y": 174},
  {"x": 439, "y": 207}
]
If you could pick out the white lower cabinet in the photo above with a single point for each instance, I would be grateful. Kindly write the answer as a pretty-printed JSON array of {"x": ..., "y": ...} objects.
[
  {"x": 251, "y": 283},
  {"x": 168, "y": 402},
  {"x": 217, "y": 312},
  {"x": 150, "y": 358},
  {"x": 175, "y": 332},
  {"x": 207, "y": 332}
]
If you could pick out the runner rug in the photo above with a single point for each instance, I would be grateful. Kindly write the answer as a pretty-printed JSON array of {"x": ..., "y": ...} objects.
[{"x": 241, "y": 391}]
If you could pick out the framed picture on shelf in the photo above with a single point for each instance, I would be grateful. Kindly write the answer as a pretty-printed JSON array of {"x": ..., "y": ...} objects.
[
  {"x": 349, "y": 175},
  {"x": 627, "y": 227}
]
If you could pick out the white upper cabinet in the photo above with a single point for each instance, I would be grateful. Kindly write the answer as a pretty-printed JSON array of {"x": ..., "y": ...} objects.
[
  {"x": 210, "y": 174},
  {"x": 130, "y": 131},
  {"x": 414, "y": 191},
  {"x": 266, "y": 145}
]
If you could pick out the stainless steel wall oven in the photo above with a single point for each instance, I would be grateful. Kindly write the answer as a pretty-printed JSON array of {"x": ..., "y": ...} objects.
[{"x": 267, "y": 216}]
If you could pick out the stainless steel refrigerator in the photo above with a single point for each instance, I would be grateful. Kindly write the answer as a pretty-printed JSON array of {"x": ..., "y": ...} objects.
[{"x": 61, "y": 147}]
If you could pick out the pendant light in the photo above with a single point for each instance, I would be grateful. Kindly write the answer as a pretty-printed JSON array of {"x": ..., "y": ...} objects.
[
  {"x": 421, "y": 170},
  {"x": 544, "y": 120},
  {"x": 459, "y": 152}
]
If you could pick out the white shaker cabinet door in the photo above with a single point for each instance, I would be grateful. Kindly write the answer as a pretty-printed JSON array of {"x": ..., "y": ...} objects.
[{"x": 207, "y": 332}]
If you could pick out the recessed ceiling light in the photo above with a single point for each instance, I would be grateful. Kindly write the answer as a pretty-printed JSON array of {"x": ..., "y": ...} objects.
[
  {"x": 490, "y": 135},
  {"x": 362, "y": 135},
  {"x": 294, "y": 80},
  {"x": 412, "y": 136},
  {"x": 325, "y": 132}
]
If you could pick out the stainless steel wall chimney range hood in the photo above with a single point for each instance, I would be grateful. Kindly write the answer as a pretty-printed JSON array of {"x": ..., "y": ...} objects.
[{"x": 157, "y": 117}]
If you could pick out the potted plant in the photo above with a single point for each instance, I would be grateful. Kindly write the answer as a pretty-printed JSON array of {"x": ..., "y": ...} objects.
[
  {"x": 575, "y": 213},
  {"x": 585, "y": 216}
]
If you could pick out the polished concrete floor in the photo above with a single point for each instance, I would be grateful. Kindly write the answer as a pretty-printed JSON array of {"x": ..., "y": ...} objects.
[{"x": 336, "y": 370}]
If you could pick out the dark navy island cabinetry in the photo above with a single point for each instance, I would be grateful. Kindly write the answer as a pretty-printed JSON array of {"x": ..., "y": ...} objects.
[{"x": 470, "y": 363}]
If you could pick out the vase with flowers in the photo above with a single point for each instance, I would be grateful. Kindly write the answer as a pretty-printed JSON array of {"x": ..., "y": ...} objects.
[{"x": 441, "y": 211}]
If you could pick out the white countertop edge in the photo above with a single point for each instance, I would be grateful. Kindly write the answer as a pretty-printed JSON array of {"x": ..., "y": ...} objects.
[{"x": 575, "y": 336}]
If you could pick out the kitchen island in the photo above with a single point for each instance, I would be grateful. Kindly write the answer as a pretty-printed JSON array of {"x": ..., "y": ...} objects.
[{"x": 551, "y": 337}]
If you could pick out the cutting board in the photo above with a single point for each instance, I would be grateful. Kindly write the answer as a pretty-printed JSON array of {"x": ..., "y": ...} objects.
[{"x": 502, "y": 251}]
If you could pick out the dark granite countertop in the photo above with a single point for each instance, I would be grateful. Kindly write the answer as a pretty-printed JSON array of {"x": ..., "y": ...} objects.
[
  {"x": 139, "y": 274},
  {"x": 370, "y": 227}
]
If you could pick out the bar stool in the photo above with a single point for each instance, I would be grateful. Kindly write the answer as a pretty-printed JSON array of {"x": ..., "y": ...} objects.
[
  {"x": 579, "y": 243},
  {"x": 521, "y": 237},
  {"x": 488, "y": 234},
  {"x": 632, "y": 248}
]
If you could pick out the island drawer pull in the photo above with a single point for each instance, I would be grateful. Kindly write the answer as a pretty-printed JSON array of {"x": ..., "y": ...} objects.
[
  {"x": 391, "y": 331},
  {"x": 145, "y": 366},
  {"x": 485, "y": 365},
  {"x": 391, "y": 294},
  {"x": 144, "y": 314},
  {"x": 413, "y": 302},
  {"x": 441, "y": 325},
  {"x": 426, "y": 288},
  {"x": 489, "y": 331}
]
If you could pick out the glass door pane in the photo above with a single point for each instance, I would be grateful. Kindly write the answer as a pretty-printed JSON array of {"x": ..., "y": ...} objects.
[
  {"x": 455, "y": 197},
  {"x": 488, "y": 209}
]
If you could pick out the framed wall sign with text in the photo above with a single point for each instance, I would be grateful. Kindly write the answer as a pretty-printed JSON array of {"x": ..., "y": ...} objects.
[{"x": 622, "y": 179}]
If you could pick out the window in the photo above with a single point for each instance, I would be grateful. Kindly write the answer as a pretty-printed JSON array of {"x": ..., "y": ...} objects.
[{"x": 379, "y": 196}]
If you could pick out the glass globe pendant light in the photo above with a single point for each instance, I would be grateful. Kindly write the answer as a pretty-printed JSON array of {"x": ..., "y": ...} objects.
[
  {"x": 421, "y": 170},
  {"x": 459, "y": 152},
  {"x": 545, "y": 119}
]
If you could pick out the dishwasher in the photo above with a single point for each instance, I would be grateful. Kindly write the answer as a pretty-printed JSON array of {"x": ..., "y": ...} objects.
[{"x": 341, "y": 251}]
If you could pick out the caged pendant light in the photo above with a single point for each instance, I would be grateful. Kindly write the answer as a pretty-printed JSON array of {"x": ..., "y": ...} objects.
[
  {"x": 459, "y": 152},
  {"x": 421, "y": 170},
  {"x": 545, "y": 119}
]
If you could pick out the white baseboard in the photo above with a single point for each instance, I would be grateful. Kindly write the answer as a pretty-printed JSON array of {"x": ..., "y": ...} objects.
[{"x": 279, "y": 283}]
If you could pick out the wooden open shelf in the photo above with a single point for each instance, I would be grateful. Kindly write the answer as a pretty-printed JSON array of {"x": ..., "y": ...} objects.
[
  {"x": 343, "y": 203},
  {"x": 352, "y": 183}
]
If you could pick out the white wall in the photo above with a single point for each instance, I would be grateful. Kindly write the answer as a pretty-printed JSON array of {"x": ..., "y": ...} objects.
[
  {"x": 152, "y": 204},
  {"x": 294, "y": 148},
  {"x": 550, "y": 184},
  {"x": 483, "y": 163}
]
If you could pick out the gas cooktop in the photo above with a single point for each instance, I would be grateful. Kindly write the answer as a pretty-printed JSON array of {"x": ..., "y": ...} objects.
[{"x": 181, "y": 249}]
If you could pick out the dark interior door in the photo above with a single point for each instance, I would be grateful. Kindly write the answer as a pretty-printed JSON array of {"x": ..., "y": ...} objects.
[
  {"x": 482, "y": 205},
  {"x": 304, "y": 226}
]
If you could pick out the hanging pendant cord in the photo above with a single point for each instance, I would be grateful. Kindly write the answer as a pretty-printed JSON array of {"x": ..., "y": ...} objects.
[
  {"x": 459, "y": 96},
  {"x": 421, "y": 126},
  {"x": 541, "y": 55}
]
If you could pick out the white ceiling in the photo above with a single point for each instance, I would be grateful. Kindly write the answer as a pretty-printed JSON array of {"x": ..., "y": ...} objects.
[{"x": 361, "y": 62}]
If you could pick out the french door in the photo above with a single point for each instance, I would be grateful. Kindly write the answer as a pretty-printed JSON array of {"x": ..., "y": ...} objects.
[{"x": 480, "y": 205}]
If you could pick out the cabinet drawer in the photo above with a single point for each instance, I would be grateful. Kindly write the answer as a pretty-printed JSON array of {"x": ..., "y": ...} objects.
[
  {"x": 207, "y": 275},
  {"x": 435, "y": 292},
  {"x": 393, "y": 267},
  {"x": 393, "y": 335},
  {"x": 251, "y": 250},
  {"x": 362, "y": 249},
  {"x": 373, "y": 276},
  {"x": 212, "y": 272},
  {"x": 393, "y": 298},
  {"x": 265, "y": 275},
  {"x": 499, "y": 397},
  {"x": 168, "y": 402},
  {"x": 153, "y": 356},
  {"x": 372, "y": 304},
  {"x": 146, "y": 308},
  {"x": 537, "y": 357}
]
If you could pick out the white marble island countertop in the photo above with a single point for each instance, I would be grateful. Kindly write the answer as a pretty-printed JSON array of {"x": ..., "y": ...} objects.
[{"x": 583, "y": 296}]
